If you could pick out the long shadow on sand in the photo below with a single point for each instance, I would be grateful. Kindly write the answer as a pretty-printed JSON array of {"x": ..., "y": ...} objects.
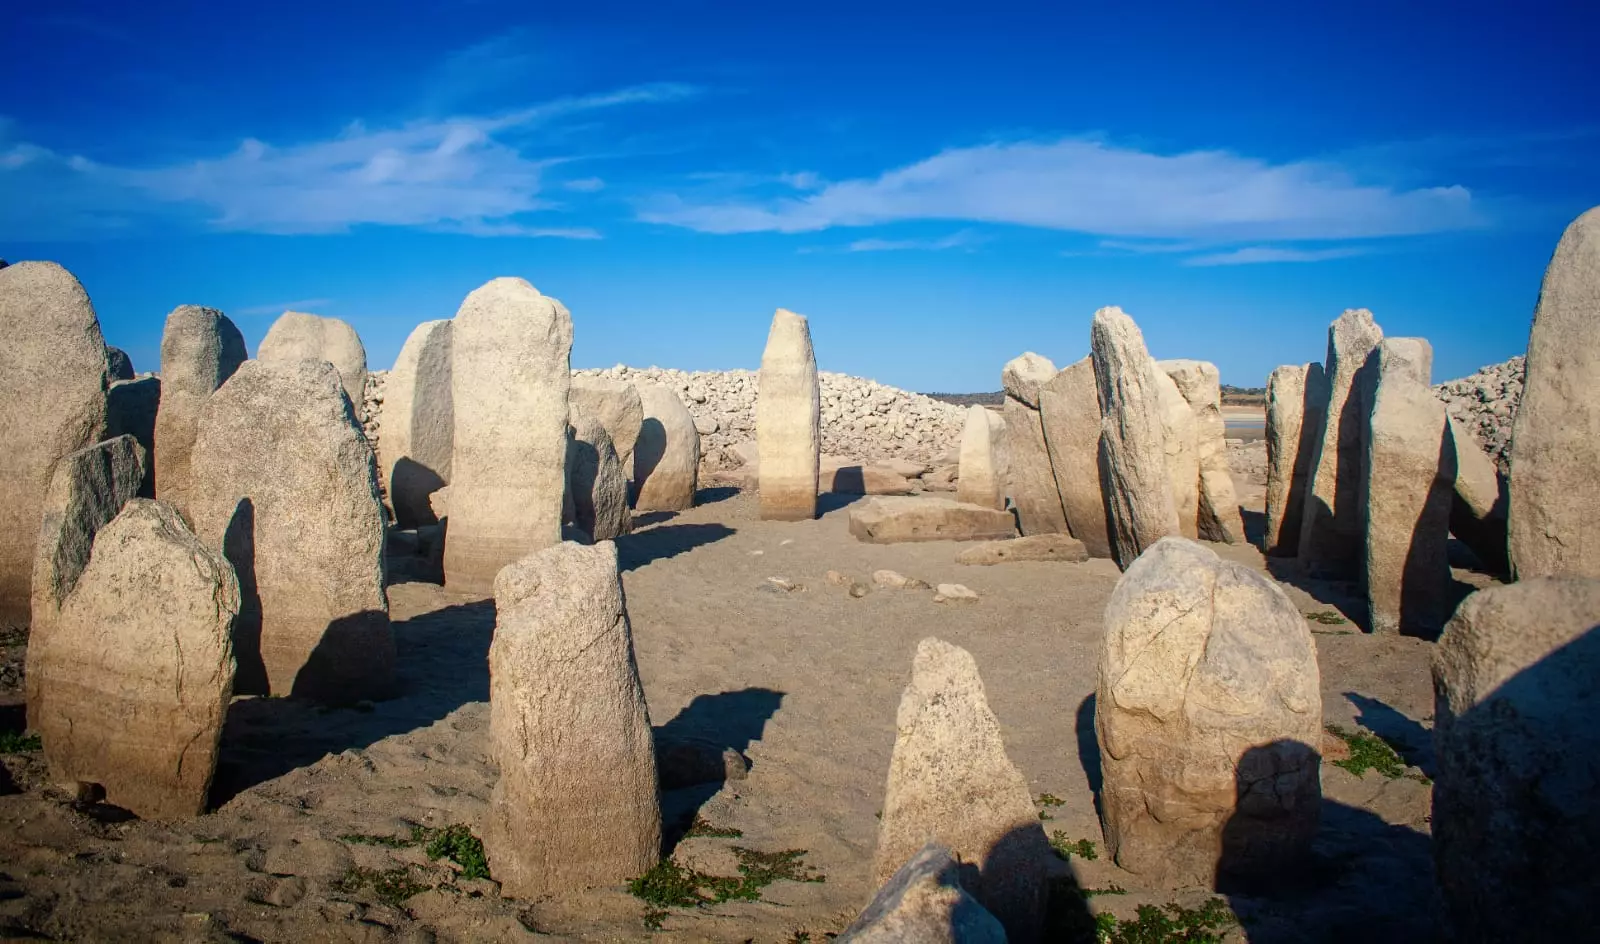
[
  {"x": 663, "y": 541},
  {"x": 714, "y": 494},
  {"x": 1409, "y": 738},
  {"x": 712, "y": 724}
]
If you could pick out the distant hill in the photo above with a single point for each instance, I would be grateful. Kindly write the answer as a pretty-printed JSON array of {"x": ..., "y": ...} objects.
[{"x": 996, "y": 399}]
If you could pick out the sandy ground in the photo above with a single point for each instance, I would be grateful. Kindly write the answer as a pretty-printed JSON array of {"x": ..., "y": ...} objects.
[{"x": 805, "y": 683}]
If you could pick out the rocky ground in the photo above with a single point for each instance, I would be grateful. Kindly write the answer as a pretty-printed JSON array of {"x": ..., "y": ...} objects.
[{"x": 1486, "y": 403}]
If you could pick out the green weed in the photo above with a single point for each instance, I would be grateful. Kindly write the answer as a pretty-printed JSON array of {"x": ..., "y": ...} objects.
[
  {"x": 1050, "y": 799},
  {"x": 670, "y": 885},
  {"x": 14, "y": 742},
  {"x": 1327, "y": 618},
  {"x": 459, "y": 845},
  {"x": 1368, "y": 751},
  {"x": 391, "y": 886},
  {"x": 1173, "y": 924},
  {"x": 703, "y": 827},
  {"x": 1067, "y": 848}
]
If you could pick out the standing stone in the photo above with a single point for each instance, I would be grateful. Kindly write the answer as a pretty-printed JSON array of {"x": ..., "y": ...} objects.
[
  {"x": 1181, "y": 437},
  {"x": 285, "y": 483},
  {"x": 597, "y": 485},
  {"x": 924, "y": 903},
  {"x": 576, "y": 804},
  {"x": 788, "y": 421},
  {"x": 616, "y": 405},
  {"x": 119, "y": 366},
  {"x": 1209, "y": 716},
  {"x": 131, "y": 408},
  {"x": 1140, "y": 509},
  {"x": 52, "y": 403},
  {"x": 1297, "y": 406},
  {"x": 983, "y": 459},
  {"x": 1201, "y": 386},
  {"x": 298, "y": 336},
  {"x": 200, "y": 350},
  {"x": 1478, "y": 510},
  {"x": 1069, "y": 408},
  {"x": 1331, "y": 522},
  {"x": 951, "y": 782},
  {"x": 419, "y": 424},
  {"x": 509, "y": 379},
  {"x": 1411, "y": 475},
  {"x": 1032, "y": 481},
  {"x": 88, "y": 489},
  {"x": 1516, "y": 798},
  {"x": 1555, "y": 451},
  {"x": 666, "y": 459},
  {"x": 139, "y": 668}
]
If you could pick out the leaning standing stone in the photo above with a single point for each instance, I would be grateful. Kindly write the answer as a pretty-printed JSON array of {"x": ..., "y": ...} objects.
[
  {"x": 1555, "y": 441},
  {"x": 200, "y": 350},
  {"x": 286, "y": 485},
  {"x": 298, "y": 336},
  {"x": 576, "y": 803},
  {"x": 1201, "y": 386},
  {"x": 1032, "y": 481},
  {"x": 1209, "y": 714},
  {"x": 596, "y": 484},
  {"x": 983, "y": 459},
  {"x": 1297, "y": 404},
  {"x": 924, "y": 903},
  {"x": 951, "y": 782},
  {"x": 1330, "y": 525},
  {"x": 1070, "y": 411},
  {"x": 417, "y": 445},
  {"x": 1181, "y": 437},
  {"x": 509, "y": 379},
  {"x": 139, "y": 668},
  {"x": 52, "y": 402},
  {"x": 788, "y": 421},
  {"x": 666, "y": 458},
  {"x": 616, "y": 405},
  {"x": 1133, "y": 466}
]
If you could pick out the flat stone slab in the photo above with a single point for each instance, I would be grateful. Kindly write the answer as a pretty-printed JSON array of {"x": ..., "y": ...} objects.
[
  {"x": 1034, "y": 547},
  {"x": 897, "y": 520}
]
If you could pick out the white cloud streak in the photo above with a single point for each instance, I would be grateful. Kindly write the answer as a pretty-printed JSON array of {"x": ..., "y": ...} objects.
[
  {"x": 1251, "y": 255},
  {"x": 964, "y": 238}
]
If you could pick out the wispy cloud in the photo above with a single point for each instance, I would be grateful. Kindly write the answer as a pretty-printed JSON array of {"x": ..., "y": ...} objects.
[
  {"x": 278, "y": 308},
  {"x": 1250, "y": 255},
  {"x": 964, "y": 238},
  {"x": 1090, "y": 186},
  {"x": 585, "y": 185}
]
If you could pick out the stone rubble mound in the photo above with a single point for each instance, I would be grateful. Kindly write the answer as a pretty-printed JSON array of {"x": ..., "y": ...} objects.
[{"x": 1486, "y": 403}]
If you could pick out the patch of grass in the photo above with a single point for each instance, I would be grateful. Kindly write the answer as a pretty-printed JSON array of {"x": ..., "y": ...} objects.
[
  {"x": 13, "y": 635},
  {"x": 670, "y": 885},
  {"x": 1067, "y": 848},
  {"x": 459, "y": 845},
  {"x": 390, "y": 842},
  {"x": 702, "y": 828},
  {"x": 1327, "y": 618},
  {"x": 391, "y": 886},
  {"x": 761, "y": 869},
  {"x": 1173, "y": 924},
  {"x": 1368, "y": 751},
  {"x": 654, "y": 918},
  {"x": 1112, "y": 889},
  {"x": 1050, "y": 799},
  {"x": 14, "y": 742}
]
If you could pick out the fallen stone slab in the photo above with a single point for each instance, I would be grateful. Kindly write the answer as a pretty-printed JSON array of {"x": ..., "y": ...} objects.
[
  {"x": 1034, "y": 547},
  {"x": 897, "y": 520}
]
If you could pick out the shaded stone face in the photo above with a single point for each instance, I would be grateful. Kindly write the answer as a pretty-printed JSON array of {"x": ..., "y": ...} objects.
[
  {"x": 418, "y": 441},
  {"x": 924, "y": 902},
  {"x": 200, "y": 350},
  {"x": 666, "y": 458},
  {"x": 597, "y": 489},
  {"x": 1031, "y": 481},
  {"x": 616, "y": 405},
  {"x": 1297, "y": 404},
  {"x": 1331, "y": 530},
  {"x": 1069, "y": 409},
  {"x": 299, "y": 336},
  {"x": 788, "y": 421},
  {"x": 1134, "y": 471},
  {"x": 984, "y": 464}
]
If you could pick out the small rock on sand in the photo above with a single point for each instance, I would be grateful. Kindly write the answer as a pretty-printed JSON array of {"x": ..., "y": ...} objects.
[{"x": 954, "y": 593}]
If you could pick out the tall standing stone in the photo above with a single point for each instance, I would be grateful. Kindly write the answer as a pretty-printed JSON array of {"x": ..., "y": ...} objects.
[
  {"x": 131, "y": 408},
  {"x": 666, "y": 458},
  {"x": 1140, "y": 509},
  {"x": 139, "y": 667},
  {"x": 299, "y": 336},
  {"x": 1201, "y": 385},
  {"x": 616, "y": 405},
  {"x": 1297, "y": 406},
  {"x": 576, "y": 804},
  {"x": 1516, "y": 797},
  {"x": 52, "y": 402},
  {"x": 1209, "y": 716},
  {"x": 200, "y": 350},
  {"x": 285, "y": 483},
  {"x": 1331, "y": 523},
  {"x": 983, "y": 459},
  {"x": 789, "y": 421},
  {"x": 596, "y": 484},
  {"x": 88, "y": 489},
  {"x": 1032, "y": 481},
  {"x": 1555, "y": 441},
  {"x": 417, "y": 445},
  {"x": 1181, "y": 439},
  {"x": 951, "y": 782},
  {"x": 1069, "y": 408},
  {"x": 509, "y": 378},
  {"x": 1478, "y": 511}
]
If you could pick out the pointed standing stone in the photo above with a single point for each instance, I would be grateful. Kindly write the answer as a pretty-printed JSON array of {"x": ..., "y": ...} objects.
[
  {"x": 52, "y": 402},
  {"x": 788, "y": 421},
  {"x": 200, "y": 350},
  {"x": 616, "y": 405},
  {"x": 576, "y": 804},
  {"x": 1032, "y": 481},
  {"x": 1331, "y": 523},
  {"x": 1070, "y": 410},
  {"x": 1555, "y": 441},
  {"x": 418, "y": 441},
  {"x": 1181, "y": 438},
  {"x": 597, "y": 486},
  {"x": 951, "y": 782},
  {"x": 983, "y": 459},
  {"x": 284, "y": 482},
  {"x": 509, "y": 379},
  {"x": 1133, "y": 466},
  {"x": 1297, "y": 405},
  {"x": 139, "y": 668},
  {"x": 1218, "y": 513},
  {"x": 299, "y": 336},
  {"x": 666, "y": 459}
]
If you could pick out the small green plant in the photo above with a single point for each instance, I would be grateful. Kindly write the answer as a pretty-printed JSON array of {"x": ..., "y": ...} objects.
[
  {"x": 670, "y": 885},
  {"x": 1050, "y": 799},
  {"x": 15, "y": 742},
  {"x": 761, "y": 869},
  {"x": 654, "y": 918},
  {"x": 1173, "y": 924},
  {"x": 459, "y": 845},
  {"x": 1368, "y": 751},
  {"x": 1067, "y": 848},
  {"x": 702, "y": 827},
  {"x": 1112, "y": 889},
  {"x": 391, "y": 886},
  {"x": 390, "y": 842},
  {"x": 1327, "y": 618}
]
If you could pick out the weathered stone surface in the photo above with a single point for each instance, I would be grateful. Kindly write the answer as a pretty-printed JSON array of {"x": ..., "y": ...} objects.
[
  {"x": 138, "y": 669},
  {"x": 951, "y": 782},
  {"x": 1140, "y": 509},
  {"x": 984, "y": 468},
  {"x": 1516, "y": 799},
  {"x": 1201, "y": 385},
  {"x": 119, "y": 366},
  {"x": 1023, "y": 375},
  {"x": 284, "y": 482},
  {"x": 845, "y": 476},
  {"x": 1180, "y": 438},
  {"x": 417, "y": 446},
  {"x": 1209, "y": 714},
  {"x": 131, "y": 407},
  {"x": 1297, "y": 406},
  {"x": 954, "y": 593},
  {"x": 576, "y": 804},
  {"x": 88, "y": 489},
  {"x": 1069, "y": 409},
  {"x": 509, "y": 382},
  {"x": 52, "y": 402},
  {"x": 1331, "y": 529},
  {"x": 1410, "y": 467},
  {"x": 1478, "y": 509},
  {"x": 666, "y": 460},
  {"x": 895, "y": 520},
  {"x": 299, "y": 336},
  {"x": 924, "y": 903},
  {"x": 1034, "y": 547},
  {"x": 200, "y": 350},
  {"x": 1555, "y": 493},
  {"x": 788, "y": 421},
  {"x": 1031, "y": 481},
  {"x": 596, "y": 483},
  {"x": 616, "y": 405}
]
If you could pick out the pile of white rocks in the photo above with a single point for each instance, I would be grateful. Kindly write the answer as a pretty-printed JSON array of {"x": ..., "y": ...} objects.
[
  {"x": 371, "y": 407},
  {"x": 1486, "y": 403}
]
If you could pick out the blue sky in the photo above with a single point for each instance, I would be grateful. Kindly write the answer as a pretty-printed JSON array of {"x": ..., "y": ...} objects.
[{"x": 937, "y": 186}]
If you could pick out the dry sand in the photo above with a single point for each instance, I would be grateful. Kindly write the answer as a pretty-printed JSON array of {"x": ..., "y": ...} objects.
[{"x": 805, "y": 682}]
